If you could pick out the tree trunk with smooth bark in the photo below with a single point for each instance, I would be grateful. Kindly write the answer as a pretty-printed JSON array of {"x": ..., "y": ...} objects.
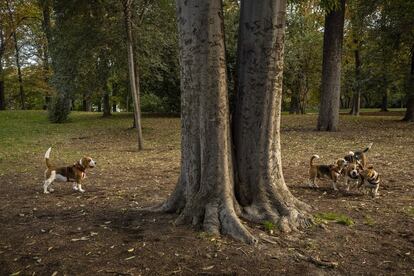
[
  {"x": 331, "y": 69},
  {"x": 212, "y": 191},
  {"x": 133, "y": 72}
]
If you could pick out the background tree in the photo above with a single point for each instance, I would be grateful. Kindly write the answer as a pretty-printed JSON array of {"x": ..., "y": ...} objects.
[{"x": 331, "y": 68}]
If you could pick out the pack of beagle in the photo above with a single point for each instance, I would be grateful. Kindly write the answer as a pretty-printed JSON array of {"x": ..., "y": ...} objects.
[{"x": 353, "y": 167}]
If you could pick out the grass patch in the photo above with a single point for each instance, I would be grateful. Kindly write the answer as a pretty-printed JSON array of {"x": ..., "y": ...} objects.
[
  {"x": 331, "y": 216},
  {"x": 268, "y": 226},
  {"x": 409, "y": 211},
  {"x": 368, "y": 220}
]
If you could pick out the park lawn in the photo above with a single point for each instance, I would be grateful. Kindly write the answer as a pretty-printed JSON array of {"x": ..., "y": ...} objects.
[{"x": 104, "y": 231}]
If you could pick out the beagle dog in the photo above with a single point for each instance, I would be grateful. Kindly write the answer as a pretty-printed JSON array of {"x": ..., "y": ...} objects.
[
  {"x": 332, "y": 172},
  {"x": 359, "y": 156},
  {"x": 370, "y": 179},
  {"x": 74, "y": 173}
]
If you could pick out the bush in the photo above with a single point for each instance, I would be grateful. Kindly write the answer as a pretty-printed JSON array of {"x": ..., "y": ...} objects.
[{"x": 152, "y": 103}]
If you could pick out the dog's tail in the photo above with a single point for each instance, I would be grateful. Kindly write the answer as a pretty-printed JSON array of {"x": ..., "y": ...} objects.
[
  {"x": 368, "y": 147},
  {"x": 313, "y": 157},
  {"x": 47, "y": 155}
]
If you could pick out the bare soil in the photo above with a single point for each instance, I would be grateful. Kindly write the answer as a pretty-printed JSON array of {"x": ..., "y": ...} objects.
[{"x": 104, "y": 232}]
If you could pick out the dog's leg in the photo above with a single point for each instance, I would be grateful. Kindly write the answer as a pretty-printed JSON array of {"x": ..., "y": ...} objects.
[
  {"x": 347, "y": 183},
  {"x": 49, "y": 181},
  {"x": 375, "y": 191},
  {"x": 75, "y": 186},
  {"x": 334, "y": 186},
  {"x": 80, "y": 188}
]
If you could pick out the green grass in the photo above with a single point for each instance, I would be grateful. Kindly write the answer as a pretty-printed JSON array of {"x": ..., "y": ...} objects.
[
  {"x": 25, "y": 136},
  {"x": 368, "y": 220},
  {"x": 409, "y": 211},
  {"x": 331, "y": 216},
  {"x": 268, "y": 226}
]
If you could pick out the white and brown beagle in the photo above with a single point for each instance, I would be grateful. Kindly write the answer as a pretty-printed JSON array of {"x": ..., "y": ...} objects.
[{"x": 74, "y": 173}]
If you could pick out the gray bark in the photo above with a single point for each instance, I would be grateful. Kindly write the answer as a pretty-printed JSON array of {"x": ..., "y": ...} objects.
[
  {"x": 206, "y": 191},
  {"x": 133, "y": 73},
  {"x": 331, "y": 69},
  {"x": 260, "y": 186}
]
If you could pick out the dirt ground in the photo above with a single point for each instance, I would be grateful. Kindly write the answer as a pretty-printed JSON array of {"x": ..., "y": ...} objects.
[{"x": 103, "y": 231}]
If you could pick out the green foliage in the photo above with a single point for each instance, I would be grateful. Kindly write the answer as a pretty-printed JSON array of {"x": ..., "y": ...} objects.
[
  {"x": 268, "y": 226},
  {"x": 331, "y": 216},
  {"x": 151, "y": 103}
]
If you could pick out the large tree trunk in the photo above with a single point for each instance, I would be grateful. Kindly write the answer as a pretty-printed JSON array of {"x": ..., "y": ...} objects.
[
  {"x": 133, "y": 73},
  {"x": 331, "y": 69},
  {"x": 207, "y": 194},
  {"x": 356, "y": 99},
  {"x": 204, "y": 194},
  {"x": 260, "y": 186},
  {"x": 409, "y": 114}
]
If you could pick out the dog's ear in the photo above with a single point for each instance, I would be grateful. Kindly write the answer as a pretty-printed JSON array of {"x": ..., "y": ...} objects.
[{"x": 371, "y": 167}]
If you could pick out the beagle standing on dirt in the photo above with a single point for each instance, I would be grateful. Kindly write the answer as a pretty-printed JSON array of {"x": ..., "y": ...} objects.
[
  {"x": 332, "y": 172},
  {"x": 74, "y": 173}
]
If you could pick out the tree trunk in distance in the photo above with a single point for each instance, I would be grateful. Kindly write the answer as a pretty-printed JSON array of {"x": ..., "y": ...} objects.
[
  {"x": 331, "y": 69},
  {"x": 2, "y": 97},
  {"x": 133, "y": 81},
  {"x": 356, "y": 101},
  {"x": 409, "y": 113},
  {"x": 106, "y": 104},
  {"x": 384, "y": 102}
]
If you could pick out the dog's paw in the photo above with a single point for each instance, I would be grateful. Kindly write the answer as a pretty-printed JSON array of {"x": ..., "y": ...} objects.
[
  {"x": 51, "y": 190},
  {"x": 75, "y": 188},
  {"x": 46, "y": 192},
  {"x": 81, "y": 190}
]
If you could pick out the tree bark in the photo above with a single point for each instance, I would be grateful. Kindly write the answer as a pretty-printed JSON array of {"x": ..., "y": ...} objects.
[
  {"x": 204, "y": 195},
  {"x": 331, "y": 69},
  {"x": 133, "y": 73},
  {"x": 2, "y": 97},
  {"x": 212, "y": 191},
  {"x": 260, "y": 186},
  {"x": 356, "y": 100},
  {"x": 409, "y": 113},
  {"x": 106, "y": 104},
  {"x": 17, "y": 57},
  {"x": 46, "y": 26},
  {"x": 384, "y": 102}
]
